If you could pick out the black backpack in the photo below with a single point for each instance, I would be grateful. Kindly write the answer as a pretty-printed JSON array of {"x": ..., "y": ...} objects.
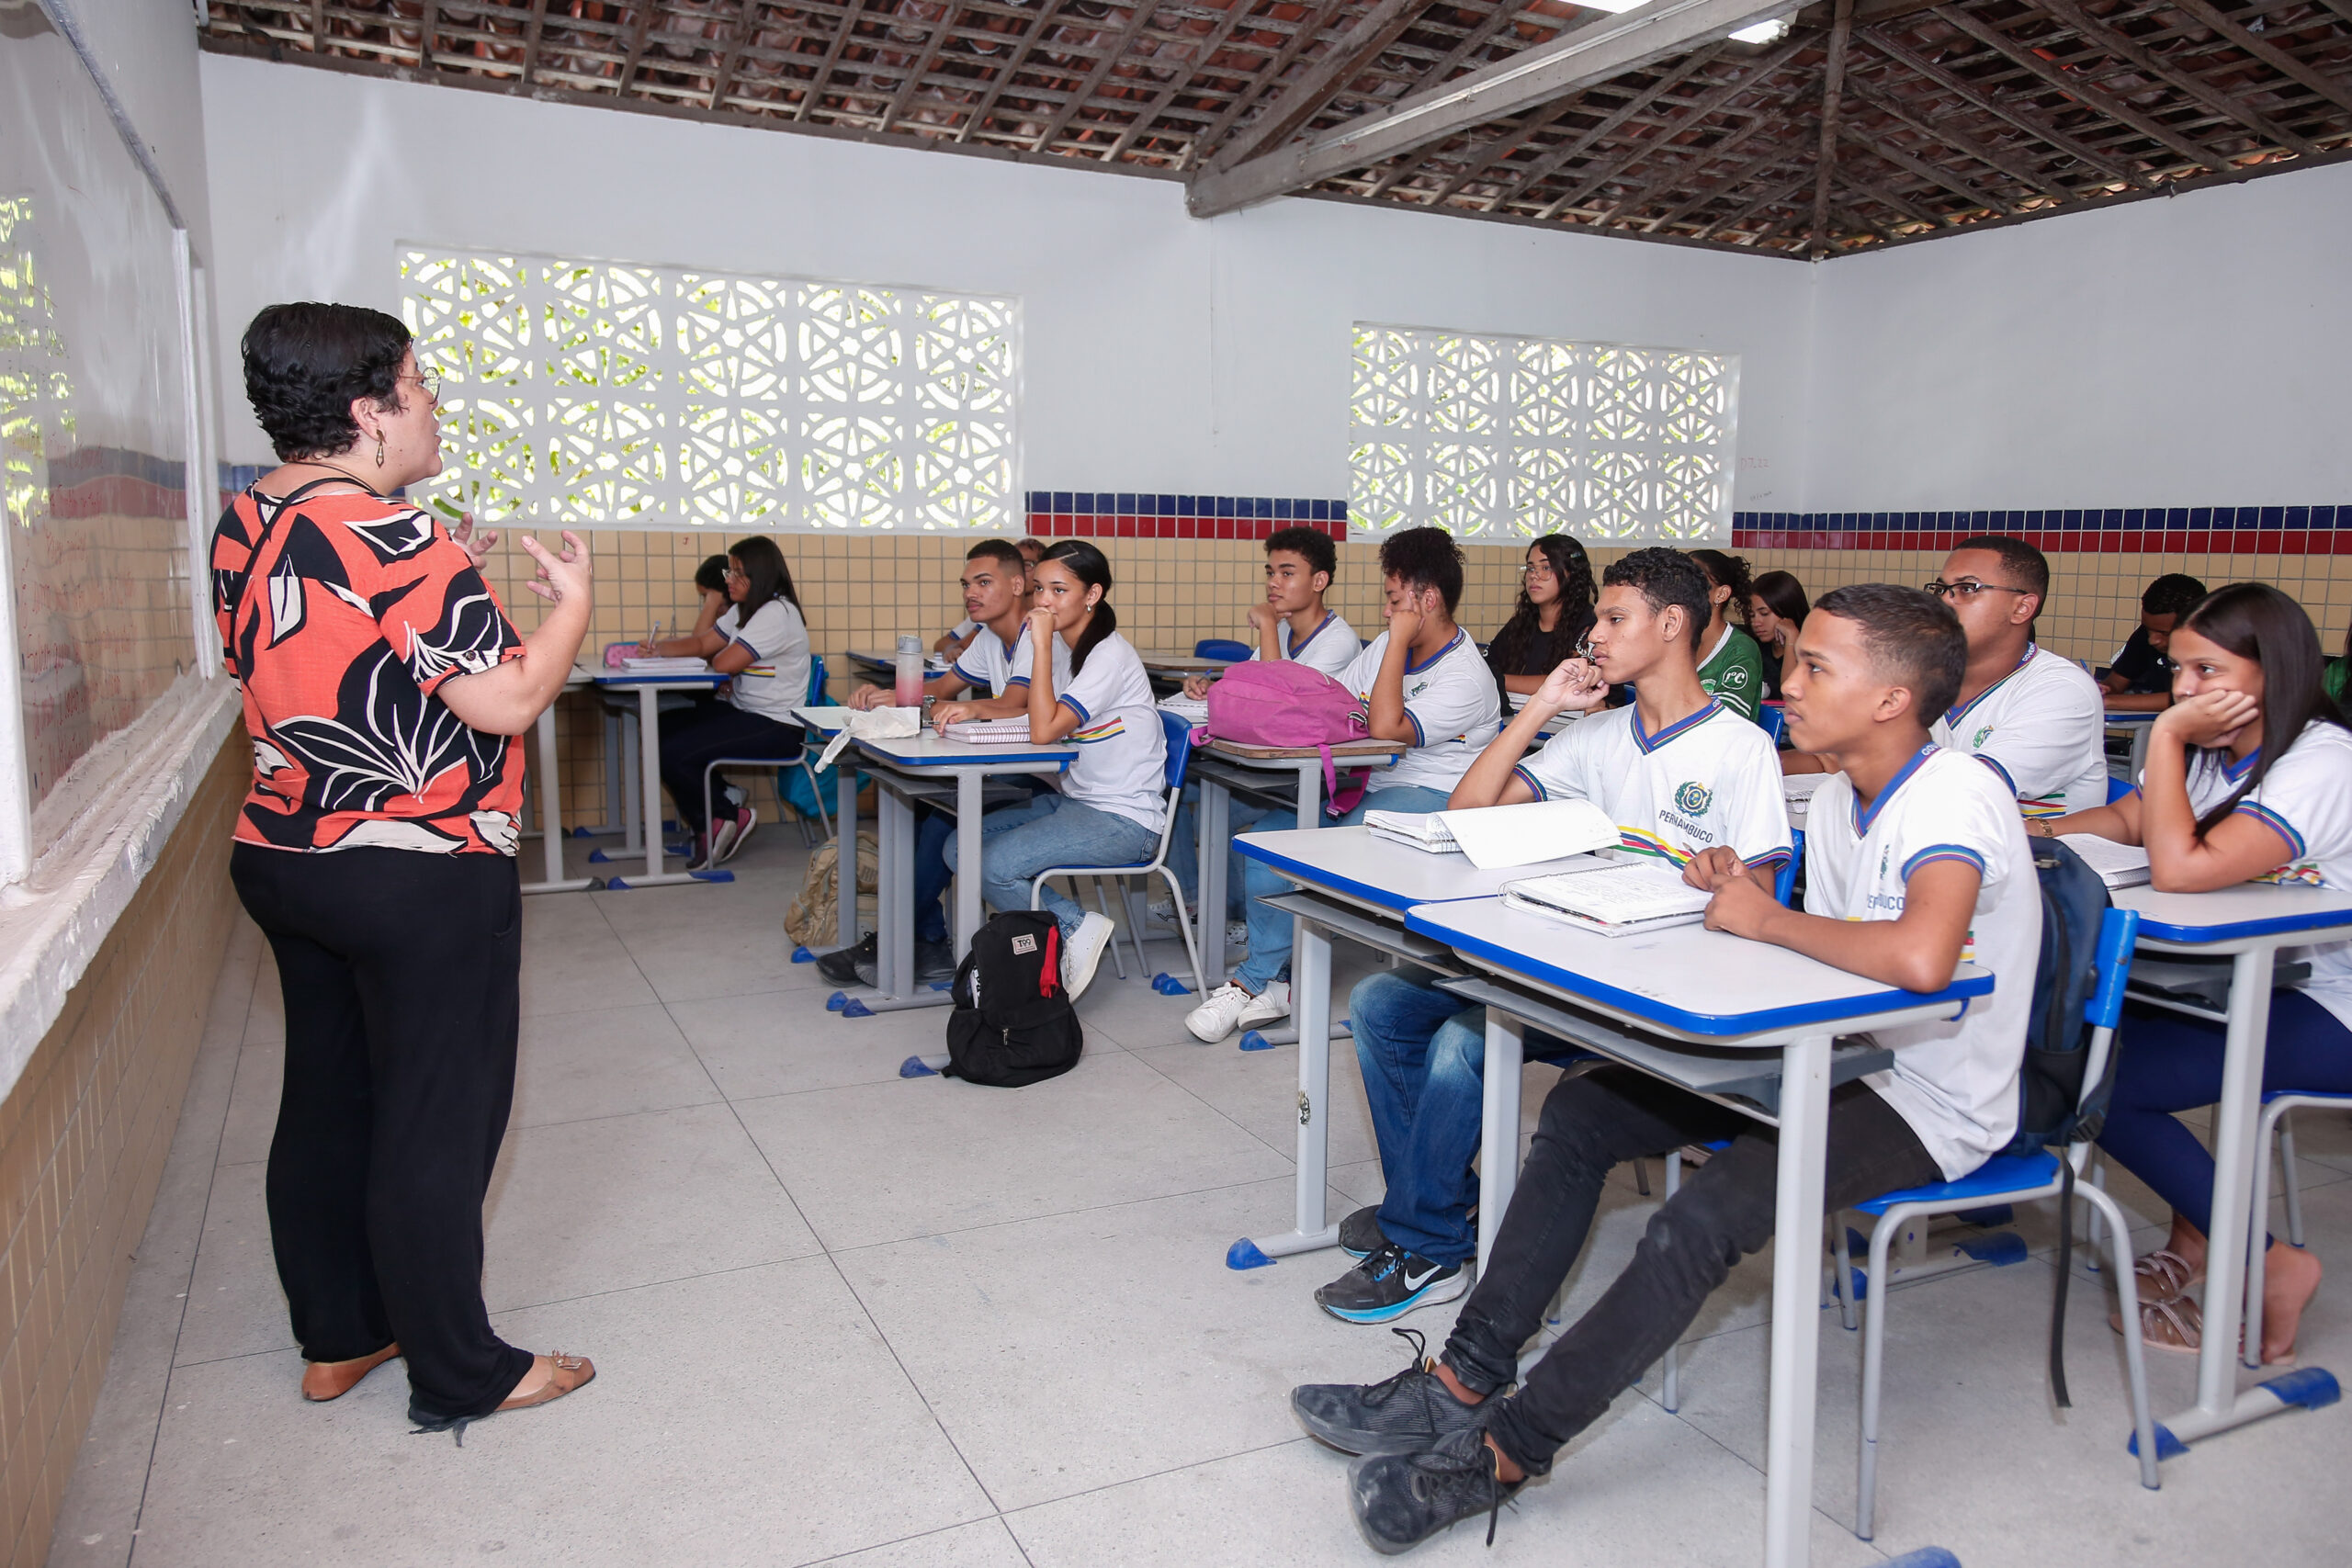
[
  {"x": 2053, "y": 1110},
  {"x": 1012, "y": 1023}
]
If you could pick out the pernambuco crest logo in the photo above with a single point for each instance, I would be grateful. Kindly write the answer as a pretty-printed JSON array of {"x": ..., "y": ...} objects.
[
  {"x": 1982, "y": 736},
  {"x": 1694, "y": 798}
]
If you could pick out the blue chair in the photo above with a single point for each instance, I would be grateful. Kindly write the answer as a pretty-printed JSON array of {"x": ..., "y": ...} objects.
[
  {"x": 1178, "y": 735},
  {"x": 1775, "y": 721},
  {"x": 2010, "y": 1179},
  {"x": 816, "y": 695},
  {"x": 1221, "y": 647},
  {"x": 1784, "y": 882},
  {"x": 2117, "y": 789},
  {"x": 2274, "y": 1126}
]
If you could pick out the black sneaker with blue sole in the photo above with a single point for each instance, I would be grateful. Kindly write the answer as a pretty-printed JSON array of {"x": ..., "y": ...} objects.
[
  {"x": 1389, "y": 1284},
  {"x": 1360, "y": 1233}
]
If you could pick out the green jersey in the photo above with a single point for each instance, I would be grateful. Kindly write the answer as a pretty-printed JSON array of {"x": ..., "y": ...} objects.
[{"x": 1732, "y": 672}]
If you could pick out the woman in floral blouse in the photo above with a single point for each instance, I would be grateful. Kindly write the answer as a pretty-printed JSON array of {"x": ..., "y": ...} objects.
[{"x": 382, "y": 686}]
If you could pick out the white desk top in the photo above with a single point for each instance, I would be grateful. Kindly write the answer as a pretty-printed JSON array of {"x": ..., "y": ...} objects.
[
  {"x": 1685, "y": 980},
  {"x": 2251, "y": 909},
  {"x": 827, "y": 720},
  {"x": 622, "y": 680},
  {"x": 928, "y": 750},
  {"x": 1359, "y": 864}
]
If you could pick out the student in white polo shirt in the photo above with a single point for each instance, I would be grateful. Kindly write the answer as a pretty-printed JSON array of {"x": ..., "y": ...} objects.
[
  {"x": 1686, "y": 779},
  {"x": 2248, "y": 778},
  {"x": 1422, "y": 682},
  {"x": 1109, "y": 808},
  {"x": 1443, "y": 1440}
]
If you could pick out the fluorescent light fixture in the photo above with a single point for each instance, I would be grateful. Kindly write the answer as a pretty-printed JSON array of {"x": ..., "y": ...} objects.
[{"x": 1772, "y": 30}]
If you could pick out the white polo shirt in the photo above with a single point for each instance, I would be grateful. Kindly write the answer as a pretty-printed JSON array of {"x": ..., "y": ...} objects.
[
  {"x": 2306, "y": 798},
  {"x": 1330, "y": 648},
  {"x": 1121, "y": 764},
  {"x": 2043, "y": 728},
  {"x": 1449, "y": 700},
  {"x": 985, "y": 663},
  {"x": 1955, "y": 1082},
  {"x": 776, "y": 681},
  {"x": 1706, "y": 781}
]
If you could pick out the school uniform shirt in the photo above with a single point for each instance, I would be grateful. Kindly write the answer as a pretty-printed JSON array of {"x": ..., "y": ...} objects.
[
  {"x": 1121, "y": 764},
  {"x": 1330, "y": 648},
  {"x": 1450, "y": 702},
  {"x": 776, "y": 681},
  {"x": 1732, "y": 672},
  {"x": 985, "y": 663},
  {"x": 1708, "y": 781},
  {"x": 1955, "y": 1082},
  {"x": 2043, "y": 728},
  {"x": 2306, "y": 797},
  {"x": 964, "y": 627},
  {"x": 2143, "y": 669}
]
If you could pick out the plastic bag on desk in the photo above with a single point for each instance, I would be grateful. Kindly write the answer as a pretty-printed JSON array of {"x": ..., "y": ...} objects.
[{"x": 874, "y": 724}]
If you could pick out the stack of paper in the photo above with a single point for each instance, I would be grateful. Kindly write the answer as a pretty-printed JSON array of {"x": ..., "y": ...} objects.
[
  {"x": 1423, "y": 830},
  {"x": 1192, "y": 710},
  {"x": 2118, "y": 866},
  {"x": 1499, "y": 836},
  {"x": 1613, "y": 900},
  {"x": 991, "y": 731},
  {"x": 666, "y": 666}
]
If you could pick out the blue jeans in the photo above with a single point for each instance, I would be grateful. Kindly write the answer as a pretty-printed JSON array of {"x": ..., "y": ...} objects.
[
  {"x": 1424, "y": 1060},
  {"x": 1019, "y": 841},
  {"x": 2168, "y": 1064},
  {"x": 934, "y": 831},
  {"x": 1270, "y": 930},
  {"x": 1184, "y": 852}
]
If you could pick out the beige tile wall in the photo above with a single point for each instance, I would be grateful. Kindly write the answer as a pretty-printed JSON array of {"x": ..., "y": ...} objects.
[
  {"x": 83, "y": 1137},
  {"x": 1169, "y": 593}
]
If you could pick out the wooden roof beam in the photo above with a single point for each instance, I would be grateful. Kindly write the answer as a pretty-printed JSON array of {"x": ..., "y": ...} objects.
[
  {"x": 903, "y": 99},
  {"x": 1475, "y": 39},
  {"x": 1833, "y": 96},
  {"x": 724, "y": 78},
  {"x": 1233, "y": 11},
  {"x": 1015, "y": 60},
  {"x": 1889, "y": 152},
  {"x": 1693, "y": 169},
  {"x": 824, "y": 75},
  {"x": 2150, "y": 64},
  {"x": 1977, "y": 99},
  {"x": 1305, "y": 98},
  {"x": 1136, "y": 18},
  {"x": 1308, "y": 30},
  {"x": 2336, "y": 92},
  {"x": 2079, "y": 88},
  {"x": 1590, "y": 180},
  {"x": 1943, "y": 133},
  {"x": 1591, "y": 54}
]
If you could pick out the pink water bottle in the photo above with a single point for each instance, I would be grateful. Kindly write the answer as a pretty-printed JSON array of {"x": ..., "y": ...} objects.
[{"x": 907, "y": 689}]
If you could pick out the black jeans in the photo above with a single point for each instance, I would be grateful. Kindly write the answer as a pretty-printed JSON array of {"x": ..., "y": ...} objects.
[
  {"x": 693, "y": 739},
  {"x": 1723, "y": 1213},
  {"x": 401, "y": 971}
]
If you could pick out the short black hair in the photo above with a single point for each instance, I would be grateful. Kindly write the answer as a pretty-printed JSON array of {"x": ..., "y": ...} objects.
[
  {"x": 307, "y": 363},
  {"x": 1913, "y": 638},
  {"x": 1424, "y": 557},
  {"x": 1032, "y": 543},
  {"x": 999, "y": 550},
  {"x": 2174, "y": 593},
  {"x": 1665, "y": 577},
  {"x": 711, "y": 575},
  {"x": 2028, "y": 565},
  {"x": 1310, "y": 545}
]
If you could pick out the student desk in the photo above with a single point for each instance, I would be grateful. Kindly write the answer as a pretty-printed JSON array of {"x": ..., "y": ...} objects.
[
  {"x": 907, "y": 772},
  {"x": 649, "y": 690},
  {"x": 2249, "y": 923},
  {"x": 882, "y": 668},
  {"x": 551, "y": 795},
  {"x": 1223, "y": 766},
  {"x": 1177, "y": 666},
  {"x": 1353, "y": 884},
  {"x": 2137, "y": 725},
  {"x": 1641, "y": 1001}
]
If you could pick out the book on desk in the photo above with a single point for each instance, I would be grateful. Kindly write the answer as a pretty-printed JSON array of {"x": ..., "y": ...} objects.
[
  {"x": 991, "y": 731},
  {"x": 1496, "y": 838},
  {"x": 2118, "y": 866},
  {"x": 1612, "y": 898}
]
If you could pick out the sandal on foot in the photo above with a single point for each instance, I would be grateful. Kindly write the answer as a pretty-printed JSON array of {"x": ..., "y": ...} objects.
[
  {"x": 322, "y": 1380},
  {"x": 2176, "y": 1325},
  {"x": 565, "y": 1373},
  {"x": 2164, "y": 1275}
]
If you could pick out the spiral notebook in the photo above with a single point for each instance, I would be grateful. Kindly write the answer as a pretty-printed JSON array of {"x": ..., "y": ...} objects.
[
  {"x": 1614, "y": 898},
  {"x": 991, "y": 731}
]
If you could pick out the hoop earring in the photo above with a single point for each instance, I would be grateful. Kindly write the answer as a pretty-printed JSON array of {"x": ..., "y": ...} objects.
[{"x": 379, "y": 451}]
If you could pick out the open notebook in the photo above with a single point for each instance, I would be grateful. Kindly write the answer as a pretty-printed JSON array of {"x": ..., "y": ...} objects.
[
  {"x": 2118, "y": 866},
  {"x": 1612, "y": 898},
  {"x": 1192, "y": 710},
  {"x": 1502, "y": 836},
  {"x": 991, "y": 731},
  {"x": 651, "y": 666}
]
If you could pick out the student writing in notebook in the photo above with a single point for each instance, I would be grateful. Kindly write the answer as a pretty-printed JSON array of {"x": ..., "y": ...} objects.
[
  {"x": 1422, "y": 685},
  {"x": 1922, "y": 853},
  {"x": 1691, "y": 783},
  {"x": 993, "y": 671},
  {"x": 2248, "y": 777},
  {"x": 2139, "y": 679},
  {"x": 1291, "y": 622}
]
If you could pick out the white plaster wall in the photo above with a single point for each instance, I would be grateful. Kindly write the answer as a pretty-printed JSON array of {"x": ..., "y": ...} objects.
[
  {"x": 147, "y": 48},
  {"x": 1162, "y": 352},
  {"x": 2183, "y": 352}
]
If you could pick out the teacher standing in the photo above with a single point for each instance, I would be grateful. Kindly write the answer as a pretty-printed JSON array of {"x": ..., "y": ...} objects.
[{"x": 382, "y": 683}]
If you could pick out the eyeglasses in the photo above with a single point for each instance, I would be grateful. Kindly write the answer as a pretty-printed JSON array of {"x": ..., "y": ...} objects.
[
  {"x": 1968, "y": 588},
  {"x": 1536, "y": 568},
  {"x": 738, "y": 574},
  {"x": 430, "y": 381}
]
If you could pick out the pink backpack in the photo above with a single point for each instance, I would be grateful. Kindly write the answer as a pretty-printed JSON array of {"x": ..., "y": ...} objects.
[{"x": 1285, "y": 704}]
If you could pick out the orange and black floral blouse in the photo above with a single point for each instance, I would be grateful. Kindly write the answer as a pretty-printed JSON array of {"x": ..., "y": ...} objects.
[{"x": 341, "y": 615}]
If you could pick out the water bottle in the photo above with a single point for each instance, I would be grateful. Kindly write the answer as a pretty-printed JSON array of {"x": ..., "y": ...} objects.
[{"x": 908, "y": 690}]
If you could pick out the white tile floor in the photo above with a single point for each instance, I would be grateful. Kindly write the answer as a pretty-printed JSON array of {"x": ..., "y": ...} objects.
[{"x": 840, "y": 1316}]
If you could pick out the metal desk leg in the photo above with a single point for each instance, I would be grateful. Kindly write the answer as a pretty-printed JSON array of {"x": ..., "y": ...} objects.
[
  {"x": 632, "y": 788},
  {"x": 845, "y": 849},
  {"x": 1310, "y": 792},
  {"x": 1498, "y": 1138},
  {"x": 1215, "y": 833},
  {"x": 1310, "y": 815},
  {"x": 552, "y": 813},
  {"x": 968, "y": 783},
  {"x": 2139, "y": 733},
  {"x": 1796, "y": 1303},
  {"x": 894, "y": 948},
  {"x": 649, "y": 748},
  {"x": 1310, "y": 990}
]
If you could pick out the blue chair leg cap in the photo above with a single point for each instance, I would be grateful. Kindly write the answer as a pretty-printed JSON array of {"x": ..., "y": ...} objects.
[
  {"x": 2000, "y": 1249},
  {"x": 721, "y": 875},
  {"x": 913, "y": 1067},
  {"x": 837, "y": 1001},
  {"x": 1346, "y": 1028},
  {"x": 2168, "y": 1446},
  {"x": 598, "y": 857},
  {"x": 1926, "y": 1557},
  {"x": 1167, "y": 985},
  {"x": 2310, "y": 1387},
  {"x": 1255, "y": 1041},
  {"x": 802, "y": 955},
  {"x": 1244, "y": 1254},
  {"x": 582, "y": 833},
  {"x": 852, "y": 1007},
  {"x": 614, "y": 884}
]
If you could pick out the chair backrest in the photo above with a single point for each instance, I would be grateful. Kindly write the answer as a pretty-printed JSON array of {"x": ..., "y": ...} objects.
[
  {"x": 2117, "y": 789},
  {"x": 1784, "y": 882},
  {"x": 816, "y": 680},
  {"x": 2118, "y": 931},
  {"x": 1221, "y": 647},
  {"x": 1775, "y": 722},
  {"x": 1179, "y": 733}
]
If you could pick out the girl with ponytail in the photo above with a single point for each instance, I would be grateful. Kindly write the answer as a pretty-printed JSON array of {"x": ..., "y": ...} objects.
[{"x": 1109, "y": 808}]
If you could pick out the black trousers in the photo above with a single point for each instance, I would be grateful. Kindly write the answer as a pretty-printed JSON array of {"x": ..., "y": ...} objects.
[
  {"x": 694, "y": 737},
  {"x": 1723, "y": 1213},
  {"x": 402, "y": 975}
]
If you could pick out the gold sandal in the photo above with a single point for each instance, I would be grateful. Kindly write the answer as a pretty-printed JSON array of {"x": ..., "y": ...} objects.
[
  {"x": 565, "y": 1373},
  {"x": 322, "y": 1380}
]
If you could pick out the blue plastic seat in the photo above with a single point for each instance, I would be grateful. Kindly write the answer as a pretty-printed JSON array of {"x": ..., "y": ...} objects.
[
  {"x": 1774, "y": 720},
  {"x": 1221, "y": 647},
  {"x": 1178, "y": 735},
  {"x": 2117, "y": 789}
]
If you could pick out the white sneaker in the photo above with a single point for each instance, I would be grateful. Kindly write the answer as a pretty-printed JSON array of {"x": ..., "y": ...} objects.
[
  {"x": 731, "y": 834},
  {"x": 1083, "y": 951},
  {"x": 1163, "y": 909},
  {"x": 1236, "y": 934},
  {"x": 1230, "y": 1008}
]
